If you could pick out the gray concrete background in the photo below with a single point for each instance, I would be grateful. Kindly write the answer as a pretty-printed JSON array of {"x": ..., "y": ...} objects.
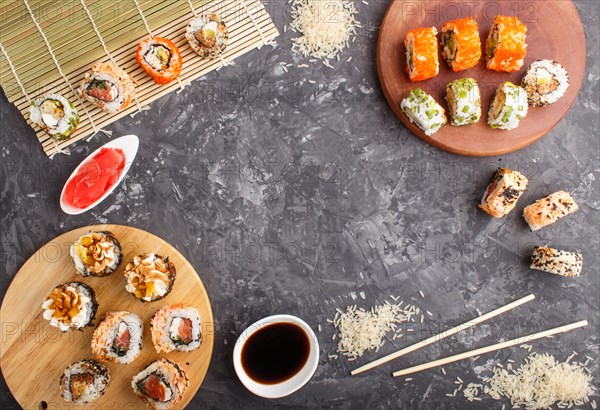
[{"x": 299, "y": 192}]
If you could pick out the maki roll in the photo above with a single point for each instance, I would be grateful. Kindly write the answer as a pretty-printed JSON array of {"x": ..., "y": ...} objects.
[
  {"x": 160, "y": 58},
  {"x": 421, "y": 53},
  {"x": 502, "y": 194},
  {"x": 96, "y": 254},
  {"x": 424, "y": 111},
  {"x": 72, "y": 305},
  {"x": 508, "y": 107},
  {"x": 108, "y": 86},
  {"x": 176, "y": 327},
  {"x": 548, "y": 210},
  {"x": 118, "y": 337},
  {"x": 464, "y": 101},
  {"x": 84, "y": 381},
  {"x": 505, "y": 46},
  {"x": 461, "y": 47},
  {"x": 207, "y": 35},
  {"x": 149, "y": 277},
  {"x": 551, "y": 260},
  {"x": 545, "y": 82},
  {"x": 56, "y": 115},
  {"x": 161, "y": 385}
]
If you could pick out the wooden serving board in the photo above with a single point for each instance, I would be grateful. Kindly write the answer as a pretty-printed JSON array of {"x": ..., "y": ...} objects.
[
  {"x": 554, "y": 32},
  {"x": 34, "y": 354}
]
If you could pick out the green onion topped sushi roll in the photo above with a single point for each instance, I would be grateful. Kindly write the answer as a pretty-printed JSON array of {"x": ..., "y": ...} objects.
[
  {"x": 545, "y": 82},
  {"x": 84, "y": 381},
  {"x": 424, "y": 111},
  {"x": 96, "y": 254},
  {"x": 176, "y": 327},
  {"x": 464, "y": 101},
  {"x": 150, "y": 277},
  {"x": 161, "y": 385},
  {"x": 508, "y": 107},
  {"x": 55, "y": 115},
  {"x": 207, "y": 35},
  {"x": 70, "y": 306}
]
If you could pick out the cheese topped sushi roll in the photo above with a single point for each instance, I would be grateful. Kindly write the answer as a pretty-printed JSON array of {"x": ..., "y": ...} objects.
[
  {"x": 150, "y": 277},
  {"x": 207, "y": 35},
  {"x": 464, "y": 101},
  {"x": 108, "y": 86},
  {"x": 96, "y": 254},
  {"x": 84, "y": 381},
  {"x": 176, "y": 327},
  {"x": 502, "y": 194},
  {"x": 548, "y": 210},
  {"x": 160, "y": 58},
  {"x": 421, "y": 53},
  {"x": 555, "y": 261},
  {"x": 118, "y": 337},
  {"x": 508, "y": 107},
  {"x": 70, "y": 306},
  {"x": 545, "y": 82},
  {"x": 424, "y": 111},
  {"x": 505, "y": 46},
  {"x": 461, "y": 47},
  {"x": 161, "y": 385},
  {"x": 56, "y": 115}
]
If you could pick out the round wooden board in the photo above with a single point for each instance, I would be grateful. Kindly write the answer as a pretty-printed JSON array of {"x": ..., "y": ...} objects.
[
  {"x": 34, "y": 354},
  {"x": 554, "y": 31}
]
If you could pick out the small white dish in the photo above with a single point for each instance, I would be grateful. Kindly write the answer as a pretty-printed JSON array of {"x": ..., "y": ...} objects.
[
  {"x": 129, "y": 144},
  {"x": 289, "y": 386}
]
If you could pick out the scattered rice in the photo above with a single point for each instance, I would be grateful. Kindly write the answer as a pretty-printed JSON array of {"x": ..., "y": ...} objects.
[
  {"x": 422, "y": 294},
  {"x": 408, "y": 379},
  {"x": 443, "y": 371}
]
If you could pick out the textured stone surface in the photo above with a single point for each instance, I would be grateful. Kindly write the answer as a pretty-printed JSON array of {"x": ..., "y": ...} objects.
[{"x": 300, "y": 192}]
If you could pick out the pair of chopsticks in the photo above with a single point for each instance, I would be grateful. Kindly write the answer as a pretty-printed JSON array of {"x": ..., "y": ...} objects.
[{"x": 471, "y": 353}]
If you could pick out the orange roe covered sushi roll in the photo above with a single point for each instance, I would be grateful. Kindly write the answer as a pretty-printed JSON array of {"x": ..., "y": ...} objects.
[
  {"x": 421, "y": 53},
  {"x": 461, "y": 46},
  {"x": 160, "y": 58},
  {"x": 505, "y": 47}
]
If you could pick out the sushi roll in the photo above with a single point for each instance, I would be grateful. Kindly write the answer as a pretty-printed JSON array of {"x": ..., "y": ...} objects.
[
  {"x": 118, "y": 337},
  {"x": 464, "y": 101},
  {"x": 551, "y": 260},
  {"x": 508, "y": 107},
  {"x": 149, "y": 277},
  {"x": 108, "y": 86},
  {"x": 160, "y": 58},
  {"x": 505, "y": 46},
  {"x": 161, "y": 385},
  {"x": 56, "y": 115},
  {"x": 72, "y": 305},
  {"x": 548, "y": 210},
  {"x": 424, "y": 111},
  {"x": 502, "y": 194},
  {"x": 84, "y": 381},
  {"x": 461, "y": 47},
  {"x": 96, "y": 254},
  {"x": 176, "y": 327},
  {"x": 207, "y": 35},
  {"x": 421, "y": 53},
  {"x": 545, "y": 82}
]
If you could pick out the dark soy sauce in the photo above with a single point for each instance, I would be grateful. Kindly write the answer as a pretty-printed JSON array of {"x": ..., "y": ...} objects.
[{"x": 275, "y": 353}]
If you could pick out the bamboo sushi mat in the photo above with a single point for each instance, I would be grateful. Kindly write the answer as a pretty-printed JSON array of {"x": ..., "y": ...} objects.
[{"x": 77, "y": 48}]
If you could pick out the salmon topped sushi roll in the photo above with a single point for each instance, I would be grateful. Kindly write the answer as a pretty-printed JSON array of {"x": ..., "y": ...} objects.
[
  {"x": 160, "y": 58},
  {"x": 461, "y": 47},
  {"x": 502, "y": 194},
  {"x": 421, "y": 53},
  {"x": 548, "y": 210},
  {"x": 505, "y": 46}
]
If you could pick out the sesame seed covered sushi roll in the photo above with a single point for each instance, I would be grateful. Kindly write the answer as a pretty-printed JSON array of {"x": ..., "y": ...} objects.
[
  {"x": 548, "y": 210},
  {"x": 207, "y": 35},
  {"x": 56, "y": 115},
  {"x": 150, "y": 277},
  {"x": 108, "y": 87},
  {"x": 160, "y": 58},
  {"x": 508, "y": 107},
  {"x": 161, "y": 385},
  {"x": 72, "y": 305},
  {"x": 502, "y": 194},
  {"x": 464, "y": 101},
  {"x": 505, "y": 46},
  {"x": 176, "y": 327},
  {"x": 461, "y": 47},
  {"x": 555, "y": 261},
  {"x": 84, "y": 381},
  {"x": 424, "y": 111},
  {"x": 421, "y": 53},
  {"x": 545, "y": 82},
  {"x": 96, "y": 254},
  {"x": 118, "y": 337}
]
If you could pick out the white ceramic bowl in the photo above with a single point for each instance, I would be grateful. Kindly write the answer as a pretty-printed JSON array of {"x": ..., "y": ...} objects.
[
  {"x": 287, "y": 387},
  {"x": 129, "y": 144}
]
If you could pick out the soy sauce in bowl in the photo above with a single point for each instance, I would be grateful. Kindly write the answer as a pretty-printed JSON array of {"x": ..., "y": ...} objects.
[{"x": 275, "y": 353}]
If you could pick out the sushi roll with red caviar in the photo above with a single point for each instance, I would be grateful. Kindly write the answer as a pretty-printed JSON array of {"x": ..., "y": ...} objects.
[
  {"x": 176, "y": 327},
  {"x": 461, "y": 46},
  {"x": 118, "y": 337},
  {"x": 160, "y": 58},
  {"x": 161, "y": 385},
  {"x": 505, "y": 46},
  {"x": 108, "y": 87},
  {"x": 84, "y": 381},
  {"x": 421, "y": 53},
  {"x": 208, "y": 35}
]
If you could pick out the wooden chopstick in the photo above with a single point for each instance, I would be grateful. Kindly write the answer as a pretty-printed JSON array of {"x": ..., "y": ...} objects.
[
  {"x": 491, "y": 348},
  {"x": 444, "y": 334}
]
